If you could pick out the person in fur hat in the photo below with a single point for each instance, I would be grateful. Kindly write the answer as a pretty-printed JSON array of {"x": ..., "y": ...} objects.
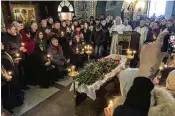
[{"x": 138, "y": 96}]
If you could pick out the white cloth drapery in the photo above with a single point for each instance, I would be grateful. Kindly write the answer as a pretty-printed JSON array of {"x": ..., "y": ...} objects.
[{"x": 90, "y": 89}]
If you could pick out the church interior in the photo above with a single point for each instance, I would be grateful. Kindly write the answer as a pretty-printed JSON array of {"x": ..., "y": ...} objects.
[{"x": 88, "y": 58}]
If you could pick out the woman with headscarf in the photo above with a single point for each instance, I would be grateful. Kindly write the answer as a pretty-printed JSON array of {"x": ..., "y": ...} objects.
[{"x": 43, "y": 72}]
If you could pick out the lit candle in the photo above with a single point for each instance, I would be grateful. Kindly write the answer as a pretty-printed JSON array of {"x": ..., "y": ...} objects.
[
  {"x": 72, "y": 27},
  {"x": 110, "y": 103},
  {"x": 134, "y": 52},
  {"x": 73, "y": 68},
  {"x": 90, "y": 48},
  {"x": 165, "y": 65},
  {"x": 128, "y": 51},
  {"x": 82, "y": 50},
  {"x": 22, "y": 44},
  {"x": 160, "y": 68},
  {"x": 77, "y": 49},
  {"x": 132, "y": 57},
  {"x": 62, "y": 33},
  {"x": 48, "y": 56},
  {"x": 69, "y": 70},
  {"x": 17, "y": 55},
  {"x": 10, "y": 73}
]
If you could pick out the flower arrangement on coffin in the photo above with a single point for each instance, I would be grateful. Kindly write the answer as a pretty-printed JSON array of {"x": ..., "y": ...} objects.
[{"x": 95, "y": 71}]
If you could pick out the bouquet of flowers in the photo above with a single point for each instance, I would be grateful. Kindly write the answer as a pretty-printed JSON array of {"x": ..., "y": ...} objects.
[{"x": 95, "y": 71}]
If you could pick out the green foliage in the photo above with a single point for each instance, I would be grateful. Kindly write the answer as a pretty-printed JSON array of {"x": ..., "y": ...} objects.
[{"x": 95, "y": 71}]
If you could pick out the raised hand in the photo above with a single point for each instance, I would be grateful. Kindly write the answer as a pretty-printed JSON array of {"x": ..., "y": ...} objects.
[{"x": 151, "y": 56}]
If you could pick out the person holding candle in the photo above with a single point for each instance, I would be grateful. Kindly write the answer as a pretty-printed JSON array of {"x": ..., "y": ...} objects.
[
  {"x": 9, "y": 77},
  {"x": 78, "y": 42},
  {"x": 27, "y": 42},
  {"x": 67, "y": 44},
  {"x": 57, "y": 58},
  {"x": 13, "y": 46},
  {"x": 43, "y": 73}
]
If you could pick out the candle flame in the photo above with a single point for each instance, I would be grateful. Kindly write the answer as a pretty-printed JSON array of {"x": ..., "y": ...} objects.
[
  {"x": 48, "y": 56},
  {"x": 10, "y": 73},
  {"x": 17, "y": 54},
  {"x": 73, "y": 67},
  {"x": 22, "y": 44},
  {"x": 62, "y": 33},
  {"x": 134, "y": 52},
  {"x": 160, "y": 68},
  {"x": 69, "y": 70},
  {"x": 110, "y": 103}
]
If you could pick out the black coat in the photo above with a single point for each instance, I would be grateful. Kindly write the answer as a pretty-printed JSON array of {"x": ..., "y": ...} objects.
[
  {"x": 87, "y": 35},
  {"x": 99, "y": 37},
  {"x": 41, "y": 72},
  {"x": 69, "y": 52},
  {"x": 10, "y": 92},
  {"x": 137, "y": 102},
  {"x": 11, "y": 43}
]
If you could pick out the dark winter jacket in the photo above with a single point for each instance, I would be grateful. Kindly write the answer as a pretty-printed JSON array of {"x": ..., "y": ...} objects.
[
  {"x": 87, "y": 35},
  {"x": 11, "y": 43},
  {"x": 56, "y": 55},
  {"x": 99, "y": 37},
  {"x": 137, "y": 102}
]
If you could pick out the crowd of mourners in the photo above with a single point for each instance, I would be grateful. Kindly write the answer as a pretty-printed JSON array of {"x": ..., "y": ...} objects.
[{"x": 40, "y": 52}]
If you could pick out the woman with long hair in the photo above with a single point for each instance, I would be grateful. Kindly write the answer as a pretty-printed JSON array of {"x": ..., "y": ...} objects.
[{"x": 40, "y": 39}]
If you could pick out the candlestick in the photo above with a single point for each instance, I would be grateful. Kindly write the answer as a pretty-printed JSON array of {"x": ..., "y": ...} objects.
[
  {"x": 88, "y": 50},
  {"x": 72, "y": 73},
  {"x": 130, "y": 56},
  {"x": 73, "y": 68}
]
